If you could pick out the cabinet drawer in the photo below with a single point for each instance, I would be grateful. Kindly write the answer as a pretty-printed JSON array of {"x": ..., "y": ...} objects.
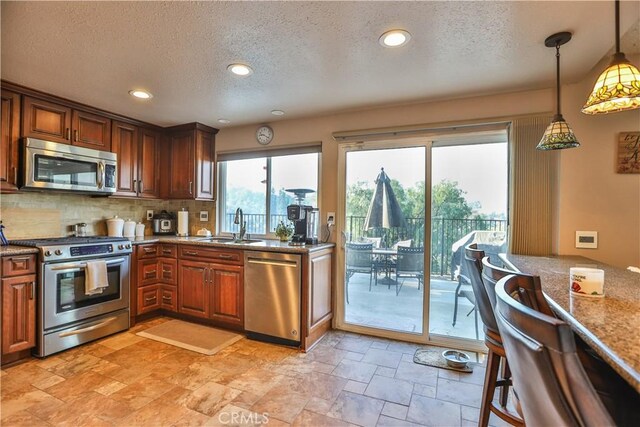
[
  {"x": 223, "y": 256},
  {"x": 148, "y": 251},
  {"x": 149, "y": 298},
  {"x": 18, "y": 265},
  {"x": 148, "y": 273},
  {"x": 168, "y": 271},
  {"x": 168, "y": 251},
  {"x": 169, "y": 298}
]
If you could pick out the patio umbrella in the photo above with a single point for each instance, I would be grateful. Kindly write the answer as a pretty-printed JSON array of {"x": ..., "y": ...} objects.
[{"x": 384, "y": 209}]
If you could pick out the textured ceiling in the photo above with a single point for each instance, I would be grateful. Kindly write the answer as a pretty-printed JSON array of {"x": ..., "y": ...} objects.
[{"x": 309, "y": 58}]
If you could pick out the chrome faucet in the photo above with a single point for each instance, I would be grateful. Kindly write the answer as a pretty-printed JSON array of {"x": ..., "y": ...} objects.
[{"x": 239, "y": 219}]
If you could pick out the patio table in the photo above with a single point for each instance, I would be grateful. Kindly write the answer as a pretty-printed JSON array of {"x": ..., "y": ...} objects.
[
  {"x": 610, "y": 325},
  {"x": 385, "y": 254}
]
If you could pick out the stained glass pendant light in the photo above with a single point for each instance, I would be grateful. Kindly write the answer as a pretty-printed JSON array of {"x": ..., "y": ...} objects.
[
  {"x": 558, "y": 134},
  {"x": 618, "y": 87}
]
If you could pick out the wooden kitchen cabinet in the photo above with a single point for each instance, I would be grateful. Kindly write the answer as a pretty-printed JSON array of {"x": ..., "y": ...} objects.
[
  {"x": 149, "y": 298},
  {"x": 169, "y": 296},
  {"x": 9, "y": 148},
  {"x": 156, "y": 277},
  {"x": 190, "y": 162},
  {"x": 59, "y": 123},
  {"x": 211, "y": 284},
  {"x": 193, "y": 288},
  {"x": 18, "y": 303},
  {"x": 227, "y": 293},
  {"x": 138, "y": 166}
]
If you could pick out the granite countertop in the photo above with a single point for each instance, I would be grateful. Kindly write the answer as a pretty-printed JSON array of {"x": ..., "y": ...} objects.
[
  {"x": 258, "y": 245},
  {"x": 16, "y": 250},
  {"x": 610, "y": 325}
]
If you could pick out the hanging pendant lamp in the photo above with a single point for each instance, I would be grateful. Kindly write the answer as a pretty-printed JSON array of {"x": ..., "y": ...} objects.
[
  {"x": 558, "y": 134},
  {"x": 618, "y": 87}
]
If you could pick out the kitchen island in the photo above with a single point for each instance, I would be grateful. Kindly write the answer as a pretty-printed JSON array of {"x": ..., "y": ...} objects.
[
  {"x": 202, "y": 279},
  {"x": 610, "y": 325}
]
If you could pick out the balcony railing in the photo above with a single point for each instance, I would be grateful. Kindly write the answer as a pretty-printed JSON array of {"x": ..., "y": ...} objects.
[{"x": 444, "y": 233}]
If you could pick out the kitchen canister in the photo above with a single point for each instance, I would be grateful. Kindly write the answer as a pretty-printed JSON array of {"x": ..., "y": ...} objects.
[
  {"x": 129, "y": 229},
  {"x": 115, "y": 226},
  {"x": 139, "y": 229}
]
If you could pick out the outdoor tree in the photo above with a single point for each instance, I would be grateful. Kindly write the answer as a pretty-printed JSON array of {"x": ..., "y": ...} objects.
[{"x": 449, "y": 201}]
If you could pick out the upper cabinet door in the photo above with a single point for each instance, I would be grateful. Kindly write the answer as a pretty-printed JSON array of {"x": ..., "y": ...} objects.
[
  {"x": 9, "y": 143},
  {"x": 46, "y": 120},
  {"x": 91, "y": 131},
  {"x": 205, "y": 154},
  {"x": 148, "y": 162},
  {"x": 124, "y": 142},
  {"x": 181, "y": 158}
]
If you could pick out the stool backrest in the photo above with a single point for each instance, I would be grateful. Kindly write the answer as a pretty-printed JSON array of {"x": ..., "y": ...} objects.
[
  {"x": 473, "y": 267},
  {"x": 552, "y": 387}
]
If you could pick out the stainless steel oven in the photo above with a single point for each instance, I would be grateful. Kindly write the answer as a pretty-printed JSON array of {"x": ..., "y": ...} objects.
[{"x": 67, "y": 315}]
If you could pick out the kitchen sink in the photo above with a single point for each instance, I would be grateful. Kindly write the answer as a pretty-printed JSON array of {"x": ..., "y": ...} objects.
[{"x": 229, "y": 241}]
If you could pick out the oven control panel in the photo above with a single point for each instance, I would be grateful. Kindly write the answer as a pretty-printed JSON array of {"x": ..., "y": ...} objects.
[{"x": 66, "y": 252}]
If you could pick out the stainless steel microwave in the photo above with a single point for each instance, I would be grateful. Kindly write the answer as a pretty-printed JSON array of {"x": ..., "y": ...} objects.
[{"x": 53, "y": 166}]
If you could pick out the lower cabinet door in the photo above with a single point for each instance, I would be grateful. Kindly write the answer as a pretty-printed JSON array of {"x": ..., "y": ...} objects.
[
  {"x": 18, "y": 313},
  {"x": 148, "y": 298},
  {"x": 193, "y": 288},
  {"x": 227, "y": 299},
  {"x": 169, "y": 300}
]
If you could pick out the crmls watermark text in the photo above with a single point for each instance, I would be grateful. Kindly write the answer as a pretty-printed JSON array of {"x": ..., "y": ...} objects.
[{"x": 240, "y": 418}]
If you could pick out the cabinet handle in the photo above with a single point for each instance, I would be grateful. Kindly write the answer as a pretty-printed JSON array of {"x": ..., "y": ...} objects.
[
  {"x": 31, "y": 286},
  {"x": 166, "y": 274},
  {"x": 135, "y": 185},
  {"x": 140, "y": 186},
  {"x": 190, "y": 187},
  {"x": 75, "y": 135},
  {"x": 225, "y": 256},
  {"x": 166, "y": 251},
  {"x": 15, "y": 175},
  {"x": 150, "y": 299},
  {"x": 149, "y": 250},
  {"x": 209, "y": 275},
  {"x": 190, "y": 253},
  {"x": 68, "y": 136},
  {"x": 167, "y": 299},
  {"x": 150, "y": 274}
]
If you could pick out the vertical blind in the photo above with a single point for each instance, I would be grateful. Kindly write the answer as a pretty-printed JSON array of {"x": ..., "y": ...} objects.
[{"x": 531, "y": 188}]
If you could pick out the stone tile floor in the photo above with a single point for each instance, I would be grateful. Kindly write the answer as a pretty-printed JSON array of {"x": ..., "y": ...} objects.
[{"x": 347, "y": 379}]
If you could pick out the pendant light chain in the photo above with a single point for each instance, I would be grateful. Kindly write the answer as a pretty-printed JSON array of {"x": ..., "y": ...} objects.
[
  {"x": 558, "y": 77},
  {"x": 617, "y": 3}
]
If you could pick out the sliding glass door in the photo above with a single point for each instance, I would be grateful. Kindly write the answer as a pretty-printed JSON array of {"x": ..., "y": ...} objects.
[{"x": 383, "y": 256}]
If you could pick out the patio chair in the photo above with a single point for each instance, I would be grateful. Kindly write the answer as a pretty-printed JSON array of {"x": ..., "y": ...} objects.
[
  {"x": 465, "y": 289},
  {"x": 359, "y": 260},
  {"x": 409, "y": 264},
  {"x": 373, "y": 240}
]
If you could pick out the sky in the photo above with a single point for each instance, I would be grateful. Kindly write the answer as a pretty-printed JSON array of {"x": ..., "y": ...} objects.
[
  {"x": 487, "y": 182},
  {"x": 479, "y": 169}
]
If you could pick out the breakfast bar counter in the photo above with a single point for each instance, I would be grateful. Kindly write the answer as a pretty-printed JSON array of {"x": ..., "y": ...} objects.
[{"x": 610, "y": 325}]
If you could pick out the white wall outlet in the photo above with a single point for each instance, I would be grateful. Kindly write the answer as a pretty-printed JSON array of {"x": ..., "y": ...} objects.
[
  {"x": 204, "y": 216},
  {"x": 587, "y": 239},
  {"x": 331, "y": 218},
  {"x": 149, "y": 215}
]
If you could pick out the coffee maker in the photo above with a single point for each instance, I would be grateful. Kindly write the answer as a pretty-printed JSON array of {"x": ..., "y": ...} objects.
[{"x": 304, "y": 217}]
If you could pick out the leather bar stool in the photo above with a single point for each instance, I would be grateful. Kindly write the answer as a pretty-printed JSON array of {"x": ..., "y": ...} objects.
[
  {"x": 553, "y": 388},
  {"x": 496, "y": 356}
]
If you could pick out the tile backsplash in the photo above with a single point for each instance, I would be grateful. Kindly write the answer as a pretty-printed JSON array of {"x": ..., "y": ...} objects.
[{"x": 30, "y": 215}]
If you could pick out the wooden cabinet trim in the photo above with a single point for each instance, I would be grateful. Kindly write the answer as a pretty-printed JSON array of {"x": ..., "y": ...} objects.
[
  {"x": 18, "y": 265},
  {"x": 90, "y": 130},
  {"x": 9, "y": 154},
  {"x": 46, "y": 120},
  {"x": 18, "y": 313},
  {"x": 149, "y": 250},
  {"x": 223, "y": 256}
]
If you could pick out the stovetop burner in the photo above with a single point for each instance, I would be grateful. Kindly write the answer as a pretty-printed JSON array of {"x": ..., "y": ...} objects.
[{"x": 37, "y": 243}]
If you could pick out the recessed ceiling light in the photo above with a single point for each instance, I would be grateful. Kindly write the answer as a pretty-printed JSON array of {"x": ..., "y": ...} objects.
[
  {"x": 277, "y": 112},
  {"x": 224, "y": 121},
  {"x": 394, "y": 38},
  {"x": 140, "y": 94},
  {"x": 240, "y": 69}
]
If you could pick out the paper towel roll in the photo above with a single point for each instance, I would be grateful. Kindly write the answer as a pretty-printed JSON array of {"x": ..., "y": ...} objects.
[{"x": 183, "y": 223}]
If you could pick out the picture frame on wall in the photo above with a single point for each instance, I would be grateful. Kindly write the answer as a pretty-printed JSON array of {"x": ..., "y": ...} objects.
[{"x": 628, "y": 152}]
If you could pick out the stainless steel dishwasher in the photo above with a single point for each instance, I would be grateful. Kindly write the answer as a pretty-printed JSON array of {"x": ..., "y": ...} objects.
[{"x": 272, "y": 296}]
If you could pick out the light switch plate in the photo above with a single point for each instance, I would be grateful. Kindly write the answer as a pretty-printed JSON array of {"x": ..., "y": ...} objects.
[
  {"x": 587, "y": 239},
  {"x": 149, "y": 215},
  {"x": 204, "y": 216}
]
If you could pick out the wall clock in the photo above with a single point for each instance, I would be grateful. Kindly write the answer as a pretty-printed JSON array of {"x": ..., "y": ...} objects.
[{"x": 264, "y": 134}]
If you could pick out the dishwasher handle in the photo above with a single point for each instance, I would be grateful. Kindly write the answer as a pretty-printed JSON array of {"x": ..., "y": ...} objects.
[{"x": 267, "y": 261}]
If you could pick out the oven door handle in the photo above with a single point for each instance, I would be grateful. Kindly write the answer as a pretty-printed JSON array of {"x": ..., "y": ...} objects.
[
  {"x": 88, "y": 329},
  {"x": 80, "y": 266}
]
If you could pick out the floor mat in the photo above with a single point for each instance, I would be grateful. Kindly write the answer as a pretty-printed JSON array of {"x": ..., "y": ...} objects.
[
  {"x": 190, "y": 336},
  {"x": 433, "y": 357}
]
